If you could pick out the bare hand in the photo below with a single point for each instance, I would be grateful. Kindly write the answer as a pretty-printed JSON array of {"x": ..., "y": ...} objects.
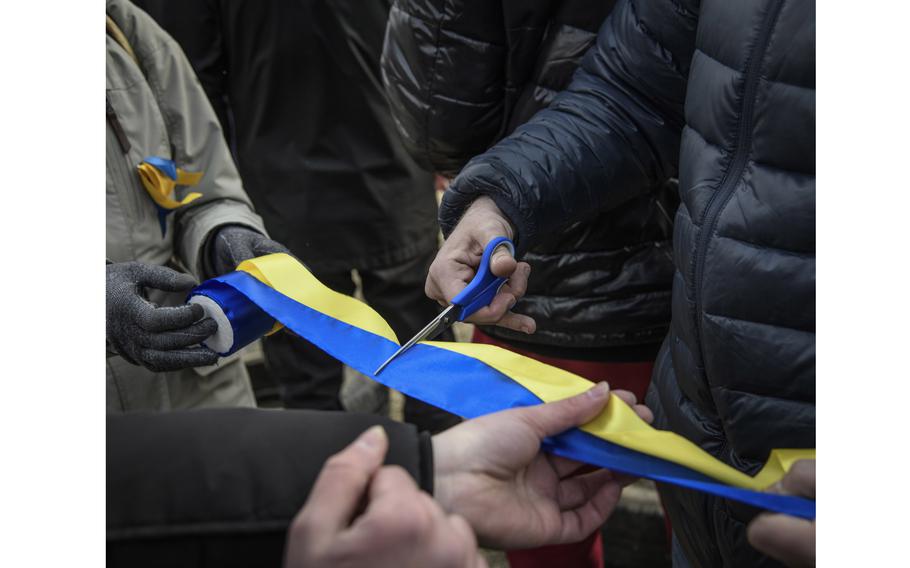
[
  {"x": 491, "y": 471},
  {"x": 788, "y": 539},
  {"x": 458, "y": 259},
  {"x": 399, "y": 526}
]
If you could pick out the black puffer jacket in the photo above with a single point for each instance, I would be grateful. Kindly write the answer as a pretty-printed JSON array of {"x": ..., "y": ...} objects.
[
  {"x": 721, "y": 94},
  {"x": 462, "y": 74}
]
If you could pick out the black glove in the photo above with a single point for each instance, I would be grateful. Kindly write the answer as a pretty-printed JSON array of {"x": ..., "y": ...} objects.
[
  {"x": 233, "y": 244},
  {"x": 160, "y": 339}
]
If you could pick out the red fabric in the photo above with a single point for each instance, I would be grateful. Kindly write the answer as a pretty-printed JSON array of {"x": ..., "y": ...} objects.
[
  {"x": 588, "y": 553},
  {"x": 633, "y": 377}
]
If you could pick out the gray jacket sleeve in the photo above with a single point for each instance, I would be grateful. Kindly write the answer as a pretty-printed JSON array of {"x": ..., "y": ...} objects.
[{"x": 195, "y": 135}]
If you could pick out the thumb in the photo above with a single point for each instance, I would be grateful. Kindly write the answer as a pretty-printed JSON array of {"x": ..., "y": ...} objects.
[
  {"x": 557, "y": 417},
  {"x": 502, "y": 263},
  {"x": 164, "y": 278},
  {"x": 343, "y": 482}
]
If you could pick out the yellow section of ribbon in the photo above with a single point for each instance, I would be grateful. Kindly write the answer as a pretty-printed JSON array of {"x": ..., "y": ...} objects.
[
  {"x": 161, "y": 188},
  {"x": 618, "y": 423}
]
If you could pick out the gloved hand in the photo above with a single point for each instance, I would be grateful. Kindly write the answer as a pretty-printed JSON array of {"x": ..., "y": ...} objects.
[
  {"x": 233, "y": 244},
  {"x": 160, "y": 339}
]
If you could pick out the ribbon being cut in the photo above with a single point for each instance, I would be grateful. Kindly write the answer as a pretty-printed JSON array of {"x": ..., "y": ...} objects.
[{"x": 471, "y": 380}]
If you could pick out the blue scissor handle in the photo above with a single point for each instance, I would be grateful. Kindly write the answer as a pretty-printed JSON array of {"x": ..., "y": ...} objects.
[{"x": 483, "y": 288}]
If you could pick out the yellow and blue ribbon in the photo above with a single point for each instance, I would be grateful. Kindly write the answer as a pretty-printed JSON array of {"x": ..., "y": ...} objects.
[
  {"x": 160, "y": 178},
  {"x": 473, "y": 379}
]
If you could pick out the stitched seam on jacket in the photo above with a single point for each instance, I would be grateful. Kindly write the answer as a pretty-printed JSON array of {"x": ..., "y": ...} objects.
[
  {"x": 432, "y": 83},
  {"x": 442, "y": 97},
  {"x": 664, "y": 52},
  {"x": 454, "y": 33},
  {"x": 758, "y": 323},
  {"x": 788, "y": 171},
  {"x": 770, "y": 248},
  {"x": 219, "y": 527},
  {"x": 799, "y": 401}
]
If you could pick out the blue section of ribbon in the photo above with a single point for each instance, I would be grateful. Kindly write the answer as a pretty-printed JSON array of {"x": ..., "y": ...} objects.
[
  {"x": 475, "y": 389},
  {"x": 168, "y": 167},
  {"x": 247, "y": 319}
]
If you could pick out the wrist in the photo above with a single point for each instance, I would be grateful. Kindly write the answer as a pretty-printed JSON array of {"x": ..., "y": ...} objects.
[
  {"x": 443, "y": 471},
  {"x": 490, "y": 217}
]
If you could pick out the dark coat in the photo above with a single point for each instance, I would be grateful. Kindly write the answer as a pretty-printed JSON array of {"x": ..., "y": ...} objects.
[
  {"x": 297, "y": 87},
  {"x": 219, "y": 487},
  {"x": 722, "y": 95},
  {"x": 462, "y": 74}
]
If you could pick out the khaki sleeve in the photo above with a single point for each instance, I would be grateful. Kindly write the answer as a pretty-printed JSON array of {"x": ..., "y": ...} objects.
[{"x": 196, "y": 137}]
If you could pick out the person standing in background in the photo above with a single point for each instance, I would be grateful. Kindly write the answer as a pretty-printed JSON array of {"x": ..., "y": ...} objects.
[
  {"x": 462, "y": 75},
  {"x": 157, "y": 113},
  {"x": 722, "y": 95},
  {"x": 297, "y": 87}
]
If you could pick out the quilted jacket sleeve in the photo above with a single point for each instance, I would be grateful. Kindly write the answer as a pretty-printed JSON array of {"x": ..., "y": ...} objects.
[
  {"x": 613, "y": 132},
  {"x": 444, "y": 115}
]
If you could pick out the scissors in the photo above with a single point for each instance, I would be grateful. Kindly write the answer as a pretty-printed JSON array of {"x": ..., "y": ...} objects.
[{"x": 476, "y": 295}]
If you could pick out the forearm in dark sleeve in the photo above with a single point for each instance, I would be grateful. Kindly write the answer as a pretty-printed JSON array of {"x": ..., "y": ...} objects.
[
  {"x": 224, "y": 484},
  {"x": 613, "y": 133}
]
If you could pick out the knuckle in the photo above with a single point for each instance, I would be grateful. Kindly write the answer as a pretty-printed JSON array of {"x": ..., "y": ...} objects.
[
  {"x": 303, "y": 525},
  {"x": 452, "y": 551},
  {"x": 342, "y": 465}
]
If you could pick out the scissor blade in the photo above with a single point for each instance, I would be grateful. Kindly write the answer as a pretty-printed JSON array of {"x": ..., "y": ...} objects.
[{"x": 439, "y": 324}]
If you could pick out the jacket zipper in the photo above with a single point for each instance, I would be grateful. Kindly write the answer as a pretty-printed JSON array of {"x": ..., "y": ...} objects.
[
  {"x": 731, "y": 179},
  {"x": 117, "y": 127},
  {"x": 719, "y": 199}
]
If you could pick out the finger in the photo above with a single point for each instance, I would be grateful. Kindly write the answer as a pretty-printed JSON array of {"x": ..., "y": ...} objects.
[
  {"x": 788, "y": 539},
  {"x": 164, "y": 278},
  {"x": 575, "y": 491},
  {"x": 391, "y": 480},
  {"x": 502, "y": 263},
  {"x": 452, "y": 283},
  {"x": 501, "y": 303},
  {"x": 462, "y": 531},
  {"x": 156, "y": 320},
  {"x": 498, "y": 312},
  {"x": 447, "y": 278},
  {"x": 266, "y": 246},
  {"x": 580, "y": 522},
  {"x": 397, "y": 509},
  {"x": 626, "y": 396},
  {"x": 176, "y": 359},
  {"x": 179, "y": 338},
  {"x": 800, "y": 480},
  {"x": 518, "y": 281},
  {"x": 518, "y": 322},
  {"x": 556, "y": 417},
  {"x": 565, "y": 467},
  {"x": 342, "y": 483},
  {"x": 644, "y": 413},
  {"x": 641, "y": 410}
]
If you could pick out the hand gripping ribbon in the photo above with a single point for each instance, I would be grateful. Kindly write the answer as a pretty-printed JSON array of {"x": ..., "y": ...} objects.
[{"x": 471, "y": 380}]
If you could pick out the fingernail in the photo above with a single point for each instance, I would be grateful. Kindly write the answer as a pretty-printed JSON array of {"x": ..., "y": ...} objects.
[
  {"x": 599, "y": 391},
  {"x": 512, "y": 304},
  {"x": 372, "y": 439}
]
